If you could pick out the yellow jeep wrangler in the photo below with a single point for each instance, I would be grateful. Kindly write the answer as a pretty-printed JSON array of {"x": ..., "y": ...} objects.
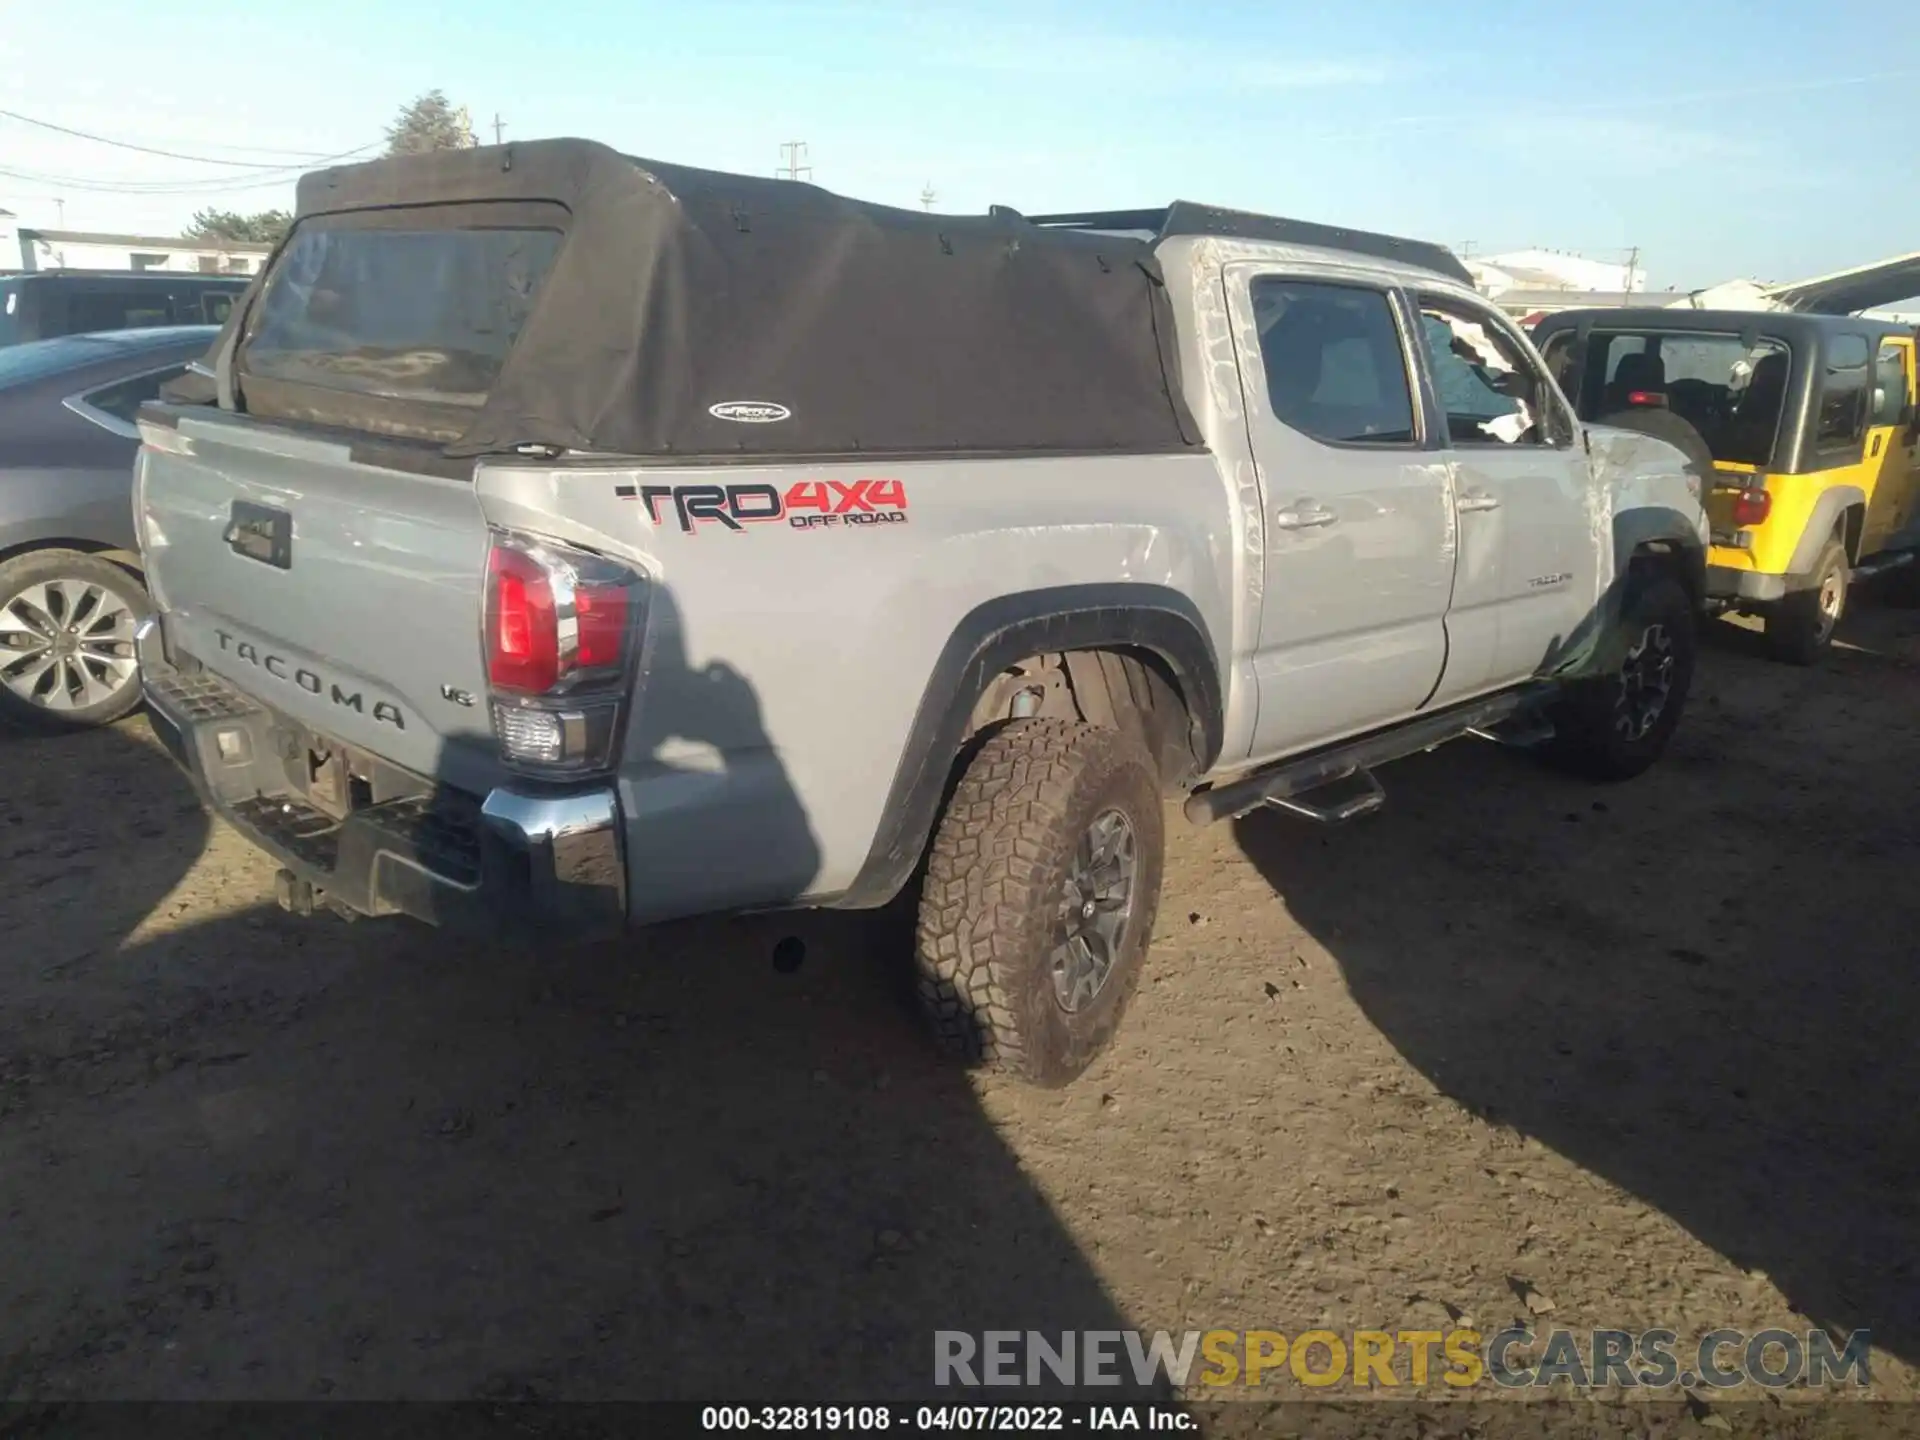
[{"x": 1808, "y": 423}]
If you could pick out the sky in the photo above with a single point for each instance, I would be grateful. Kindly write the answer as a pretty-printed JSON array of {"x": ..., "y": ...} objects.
[{"x": 1769, "y": 139}]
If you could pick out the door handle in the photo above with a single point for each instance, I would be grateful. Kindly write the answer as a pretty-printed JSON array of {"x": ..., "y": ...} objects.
[
  {"x": 1477, "y": 500},
  {"x": 1306, "y": 515}
]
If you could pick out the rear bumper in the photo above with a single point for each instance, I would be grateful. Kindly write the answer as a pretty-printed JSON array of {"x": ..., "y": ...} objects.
[
  {"x": 1724, "y": 582},
  {"x": 546, "y": 860}
]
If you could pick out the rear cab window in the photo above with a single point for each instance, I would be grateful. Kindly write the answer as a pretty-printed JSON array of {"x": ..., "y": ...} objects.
[{"x": 398, "y": 322}]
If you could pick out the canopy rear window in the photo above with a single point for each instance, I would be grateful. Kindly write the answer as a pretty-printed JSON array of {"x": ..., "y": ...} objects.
[{"x": 410, "y": 306}]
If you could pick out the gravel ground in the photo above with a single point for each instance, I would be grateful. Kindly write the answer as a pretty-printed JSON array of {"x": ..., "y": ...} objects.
[{"x": 1644, "y": 1051}]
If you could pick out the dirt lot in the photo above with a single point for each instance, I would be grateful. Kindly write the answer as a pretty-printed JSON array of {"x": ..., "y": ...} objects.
[{"x": 1650, "y": 1050}]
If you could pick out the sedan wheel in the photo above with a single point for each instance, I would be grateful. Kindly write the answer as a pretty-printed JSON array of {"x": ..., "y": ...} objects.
[{"x": 66, "y": 640}]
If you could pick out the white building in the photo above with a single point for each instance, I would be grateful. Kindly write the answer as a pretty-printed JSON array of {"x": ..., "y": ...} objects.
[
  {"x": 1558, "y": 270},
  {"x": 25, "y": 249}
]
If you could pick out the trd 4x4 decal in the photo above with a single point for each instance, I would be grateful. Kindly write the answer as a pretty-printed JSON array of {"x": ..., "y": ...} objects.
[{"x": 806, "y": 505}]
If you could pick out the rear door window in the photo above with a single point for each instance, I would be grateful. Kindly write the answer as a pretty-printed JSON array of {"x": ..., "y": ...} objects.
[
  {"x": 408, "y": 314},
  {"x": 1335, "y": 367}
]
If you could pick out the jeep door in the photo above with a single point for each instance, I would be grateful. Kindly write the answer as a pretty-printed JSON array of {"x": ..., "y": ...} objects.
[
  {"x": 1529, "y": 557},
  {"x": 1893, "y": 483},
  {"x": 1357, "y": 538}
]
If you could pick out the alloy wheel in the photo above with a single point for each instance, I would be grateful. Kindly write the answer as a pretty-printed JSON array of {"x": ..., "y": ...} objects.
[
  {"x": 1096, "y": 907},
  {"x": 67, "y": 645},
  {"x": 1646, "y": 683}
]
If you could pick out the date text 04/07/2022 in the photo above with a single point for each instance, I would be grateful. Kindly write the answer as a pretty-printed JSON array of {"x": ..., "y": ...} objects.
[{"x": 1012, "y": 1419}]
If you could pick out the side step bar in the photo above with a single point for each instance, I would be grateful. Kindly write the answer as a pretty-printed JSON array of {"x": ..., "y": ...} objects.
[
  {"x": 1336, "y": 802},
  {"x": 1291, "y": 785},
  {"x": 1880, "y": 564}
]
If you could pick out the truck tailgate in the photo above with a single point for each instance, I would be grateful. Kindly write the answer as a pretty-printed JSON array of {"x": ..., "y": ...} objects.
[{"x": 342, "y": 594}]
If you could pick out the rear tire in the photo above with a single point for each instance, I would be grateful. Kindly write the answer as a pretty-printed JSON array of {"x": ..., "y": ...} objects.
[
  {"x": 66, "y": 640},
  {"x": 1800, "y": 626},
  {"x": 1040, "y": 895},
  {"x": 1612, "y": 727}
]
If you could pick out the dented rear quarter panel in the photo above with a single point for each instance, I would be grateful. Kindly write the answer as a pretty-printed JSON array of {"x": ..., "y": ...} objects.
[{"x": 784, "y": 666}]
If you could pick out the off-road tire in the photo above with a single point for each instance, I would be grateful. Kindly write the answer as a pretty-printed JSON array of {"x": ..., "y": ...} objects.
[
  {"x": 991, "y": 903},
  {"x": 1798, "y": 629},
  {"x": 74, "y": 568},
  {"x": 1588, "y": 740}
]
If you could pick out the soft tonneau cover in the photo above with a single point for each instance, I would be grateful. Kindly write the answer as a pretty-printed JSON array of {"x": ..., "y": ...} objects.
[{"x": 691, "y": 313}]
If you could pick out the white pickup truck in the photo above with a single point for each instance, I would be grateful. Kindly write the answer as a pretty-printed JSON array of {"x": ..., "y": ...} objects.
[{"x": 580, "y": 541}]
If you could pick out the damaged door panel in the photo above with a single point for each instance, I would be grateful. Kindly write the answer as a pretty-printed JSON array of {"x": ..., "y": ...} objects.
[{"x": 1527, "y": 573}]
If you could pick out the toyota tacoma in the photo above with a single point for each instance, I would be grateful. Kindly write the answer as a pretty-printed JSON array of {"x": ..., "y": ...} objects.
[{"x": 575, "y": 542}]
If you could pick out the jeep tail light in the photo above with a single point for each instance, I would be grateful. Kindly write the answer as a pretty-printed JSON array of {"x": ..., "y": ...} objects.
[
  {"x": 1645, "y": 398},
  {"x": 1751, "y": 506},
  {"x": 561, "y": 632}
]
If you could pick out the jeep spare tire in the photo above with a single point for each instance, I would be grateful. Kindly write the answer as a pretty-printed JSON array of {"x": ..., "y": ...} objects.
[{"x": 1677, "y": 432}]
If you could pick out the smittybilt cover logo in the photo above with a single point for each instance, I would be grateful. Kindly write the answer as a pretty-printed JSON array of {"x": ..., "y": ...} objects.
[
  {"x": 749, "y": 412},
  {"x": 284, "y": 669},
  {"x": 806, "y": 505}
]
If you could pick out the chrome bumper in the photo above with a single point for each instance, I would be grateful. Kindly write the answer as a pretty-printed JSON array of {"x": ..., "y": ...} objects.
[{"x": 546, "y": 860}]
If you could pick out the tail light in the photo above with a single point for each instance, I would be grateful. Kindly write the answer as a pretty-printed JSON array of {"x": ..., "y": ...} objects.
[
  {"x": 561, "y": 632},
  {"x": 1647, "y": 398},
  {"x": 1751, "y": 506}
]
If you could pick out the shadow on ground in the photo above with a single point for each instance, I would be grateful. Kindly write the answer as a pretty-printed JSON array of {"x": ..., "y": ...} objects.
[
  {"x": 1740, "y": 1054},
  {"x": 253, "y": 1156}
]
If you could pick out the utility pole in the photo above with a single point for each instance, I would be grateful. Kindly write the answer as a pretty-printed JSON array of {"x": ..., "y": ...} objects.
[
  {"x": 1633, "y": 260},
  {"x": 499, "y": 127},
  {"x": 793, "y": 154},
  {"x": 927, "y": 197}
]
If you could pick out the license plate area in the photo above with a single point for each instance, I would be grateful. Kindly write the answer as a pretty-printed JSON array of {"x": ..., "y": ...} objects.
[{"x": 261, "y": 532}]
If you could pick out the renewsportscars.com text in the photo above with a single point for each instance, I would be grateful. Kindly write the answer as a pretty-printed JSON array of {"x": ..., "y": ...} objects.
[{"x": 1415, "y": 1359}]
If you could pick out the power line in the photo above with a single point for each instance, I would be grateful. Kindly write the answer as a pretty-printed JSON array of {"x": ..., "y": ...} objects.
[
  {"x": 188, "y": 187},
  {"x": 175, "y": 154}
]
